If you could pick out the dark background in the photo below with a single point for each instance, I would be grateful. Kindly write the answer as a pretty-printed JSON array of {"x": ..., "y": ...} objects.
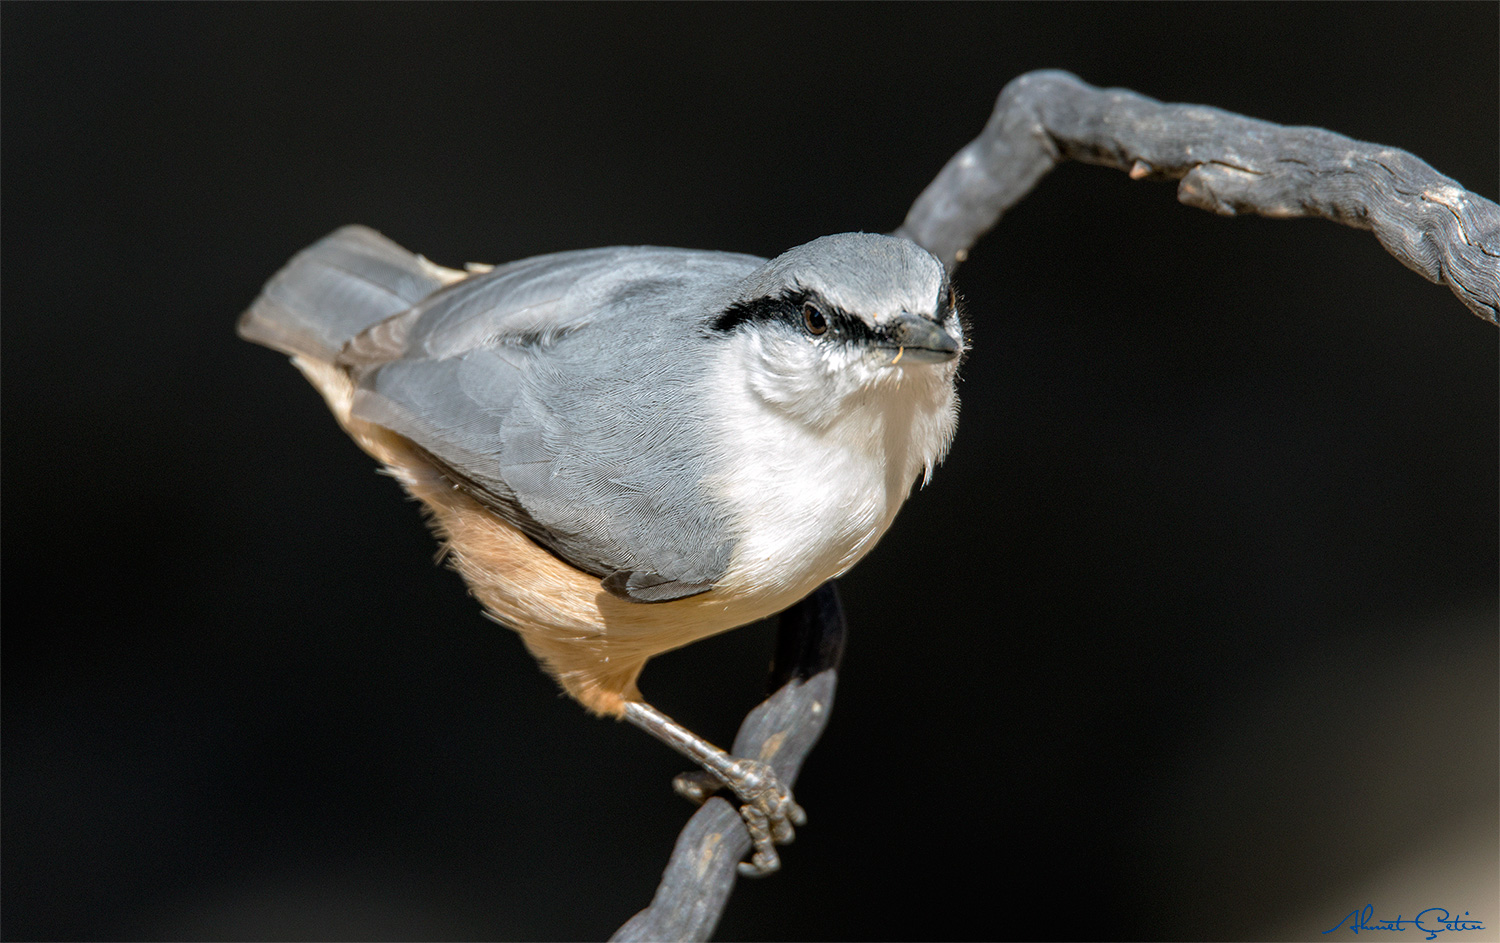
[{"x": 1202, "y": 642}]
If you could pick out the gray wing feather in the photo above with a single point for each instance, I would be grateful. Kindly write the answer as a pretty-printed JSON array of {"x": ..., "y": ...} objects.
[{"x": 566, "y": 391}]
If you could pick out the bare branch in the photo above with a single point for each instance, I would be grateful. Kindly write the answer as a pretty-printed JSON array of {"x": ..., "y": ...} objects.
[
  {"x": 1227, "y": 163},
  {"x": 780, "y": 731},
  {"x": 696, "y": 884}
]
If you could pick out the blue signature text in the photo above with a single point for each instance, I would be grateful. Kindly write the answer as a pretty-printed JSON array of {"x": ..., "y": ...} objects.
[{"x": 1432, "y": 921}]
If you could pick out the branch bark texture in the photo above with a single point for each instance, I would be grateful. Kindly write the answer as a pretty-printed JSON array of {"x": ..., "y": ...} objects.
[
  {"x": 695, "y": 887},
  {"x": 1226, "y": 163}
]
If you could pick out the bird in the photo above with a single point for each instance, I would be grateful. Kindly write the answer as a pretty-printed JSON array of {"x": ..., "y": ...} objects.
[{"x": 624, "y": 450}]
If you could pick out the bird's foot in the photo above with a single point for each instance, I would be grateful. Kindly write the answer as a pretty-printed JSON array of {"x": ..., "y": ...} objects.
[
  {"x": 769, "y": 811},
  {"x": 767, "y": 806}
]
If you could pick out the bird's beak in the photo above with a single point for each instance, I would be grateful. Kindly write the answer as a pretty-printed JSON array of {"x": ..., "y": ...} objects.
[{"x": 918, "y": 340}]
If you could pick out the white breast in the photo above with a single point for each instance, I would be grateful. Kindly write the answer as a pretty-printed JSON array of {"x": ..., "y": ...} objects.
[{"x": 809, "y": 499}]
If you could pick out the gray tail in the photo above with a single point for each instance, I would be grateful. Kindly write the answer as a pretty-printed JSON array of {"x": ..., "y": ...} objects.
[{"x": 334, "y": 289}]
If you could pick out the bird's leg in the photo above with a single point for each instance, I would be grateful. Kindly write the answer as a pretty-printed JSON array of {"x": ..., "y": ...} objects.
[
  {"x": 809, "y": 640},
  {"x": 768, "y": 808}
]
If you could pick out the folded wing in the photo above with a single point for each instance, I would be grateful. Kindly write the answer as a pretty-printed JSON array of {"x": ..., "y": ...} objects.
[{"x": 562, "y": 392}]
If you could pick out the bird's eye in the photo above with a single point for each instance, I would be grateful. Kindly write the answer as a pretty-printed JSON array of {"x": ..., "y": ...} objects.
[
  {"x": 813, "y": 319},
  {"x": 952, "y": 298}
]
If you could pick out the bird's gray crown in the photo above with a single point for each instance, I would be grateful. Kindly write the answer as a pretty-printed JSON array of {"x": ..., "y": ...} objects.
[{"x": 871, "y": 276}]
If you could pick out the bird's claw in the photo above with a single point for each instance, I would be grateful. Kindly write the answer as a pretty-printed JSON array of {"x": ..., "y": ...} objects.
[
  {"x": 696, "y": 786},
  {"x": 769, "y": 811}
]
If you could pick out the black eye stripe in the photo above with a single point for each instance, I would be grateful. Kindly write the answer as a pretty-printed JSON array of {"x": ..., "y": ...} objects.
[
  {"x": 787, "y": 308},
  {"x": 745, "y": 312}
]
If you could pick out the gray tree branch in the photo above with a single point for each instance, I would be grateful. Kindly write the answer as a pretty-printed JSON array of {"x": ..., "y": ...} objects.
[
  {"x": 696, "y": 884},
  {"x": 1226, "y": 163}
]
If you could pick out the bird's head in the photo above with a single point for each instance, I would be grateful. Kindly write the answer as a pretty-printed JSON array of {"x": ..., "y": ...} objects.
[{"x": 846, "y": 321}]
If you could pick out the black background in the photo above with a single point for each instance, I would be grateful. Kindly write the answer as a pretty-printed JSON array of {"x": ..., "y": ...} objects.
[{"x": 1193, "y": 636}]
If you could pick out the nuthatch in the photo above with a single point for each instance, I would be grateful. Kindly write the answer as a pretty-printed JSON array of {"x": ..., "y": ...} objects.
[{"x": 628, "y": 449}]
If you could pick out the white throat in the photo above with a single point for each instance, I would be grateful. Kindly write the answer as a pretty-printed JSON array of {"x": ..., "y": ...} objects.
[{"x": 814, "y": 463}]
